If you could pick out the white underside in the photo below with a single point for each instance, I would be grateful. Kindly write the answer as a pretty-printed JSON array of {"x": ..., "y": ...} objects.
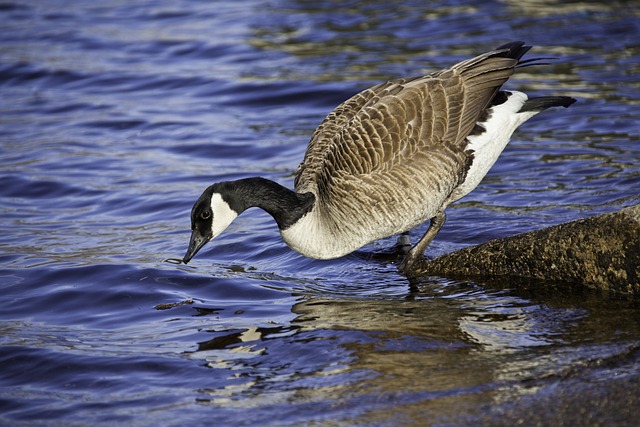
[{"x": 312, "y": 237}]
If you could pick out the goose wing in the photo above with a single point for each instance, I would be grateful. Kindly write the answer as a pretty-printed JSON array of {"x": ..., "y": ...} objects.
[{"x": 401, "y": 145}]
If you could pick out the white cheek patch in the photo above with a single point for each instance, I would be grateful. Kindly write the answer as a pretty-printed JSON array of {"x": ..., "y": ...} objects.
[{"x": 223, "y": 215}]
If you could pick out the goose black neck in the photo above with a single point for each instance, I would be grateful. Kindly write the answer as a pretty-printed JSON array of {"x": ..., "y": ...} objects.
[{"x": 284, "y": 205}]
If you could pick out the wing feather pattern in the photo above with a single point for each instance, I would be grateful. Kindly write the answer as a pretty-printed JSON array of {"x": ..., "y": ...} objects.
[{"x": 401, "y": 143}]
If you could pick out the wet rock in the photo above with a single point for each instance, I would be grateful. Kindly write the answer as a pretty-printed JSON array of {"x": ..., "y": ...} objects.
[{"x": 601, "y": 252}]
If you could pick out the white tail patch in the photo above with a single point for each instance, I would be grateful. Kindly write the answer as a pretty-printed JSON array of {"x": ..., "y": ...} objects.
[{"x": 487, "y": 146}]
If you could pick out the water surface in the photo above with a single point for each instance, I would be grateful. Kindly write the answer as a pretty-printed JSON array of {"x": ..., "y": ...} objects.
[{"x": 115, "y": 116}]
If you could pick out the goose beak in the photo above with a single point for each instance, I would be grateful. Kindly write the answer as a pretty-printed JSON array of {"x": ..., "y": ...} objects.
[{"x": 196, "y": 242}]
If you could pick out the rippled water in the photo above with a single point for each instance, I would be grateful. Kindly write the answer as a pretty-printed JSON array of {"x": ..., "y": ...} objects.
[{"x": 115, "y": 115}]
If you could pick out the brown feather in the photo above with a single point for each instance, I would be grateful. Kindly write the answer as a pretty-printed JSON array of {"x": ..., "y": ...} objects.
[{"x": 396, "y": 143}]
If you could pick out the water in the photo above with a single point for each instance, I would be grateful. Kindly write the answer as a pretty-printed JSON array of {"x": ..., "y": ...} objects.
[{"x": 115, "y": 115}]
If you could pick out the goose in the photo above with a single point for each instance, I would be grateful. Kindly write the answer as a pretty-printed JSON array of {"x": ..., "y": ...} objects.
[{"x": 386, "y": 160}]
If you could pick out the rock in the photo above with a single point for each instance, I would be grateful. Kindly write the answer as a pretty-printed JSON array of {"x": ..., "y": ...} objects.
[{"x": 600, "y": 252}]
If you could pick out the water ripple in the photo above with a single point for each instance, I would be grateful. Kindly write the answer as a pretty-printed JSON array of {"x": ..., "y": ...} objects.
[{"x": 116, "y": 115}]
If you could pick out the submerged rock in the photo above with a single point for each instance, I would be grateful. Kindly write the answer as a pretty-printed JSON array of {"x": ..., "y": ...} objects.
[{"x": 601, "y": 252}]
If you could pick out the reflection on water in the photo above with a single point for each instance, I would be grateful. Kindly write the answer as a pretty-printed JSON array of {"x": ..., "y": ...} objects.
[
  {"x": 116, "y": 115},
  {"x": 447, "y": 347}
]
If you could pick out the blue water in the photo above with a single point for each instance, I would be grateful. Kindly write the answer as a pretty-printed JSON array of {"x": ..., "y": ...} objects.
[{"x": 115, "y": 115}]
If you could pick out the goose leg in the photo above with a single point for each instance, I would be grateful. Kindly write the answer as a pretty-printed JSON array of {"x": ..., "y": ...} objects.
[
  {"x": 404, "y": 243},
  {"x": 417, "y": 251}
]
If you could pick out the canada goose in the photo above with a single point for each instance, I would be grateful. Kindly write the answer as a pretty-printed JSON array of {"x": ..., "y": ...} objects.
[{"x": 386, "y": 160}]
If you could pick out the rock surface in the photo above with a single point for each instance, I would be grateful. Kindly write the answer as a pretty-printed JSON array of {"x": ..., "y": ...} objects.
[{"x": 600, "y": 252}]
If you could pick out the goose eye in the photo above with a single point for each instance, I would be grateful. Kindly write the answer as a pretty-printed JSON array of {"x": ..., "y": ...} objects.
[{"x": 205, "y": 215}]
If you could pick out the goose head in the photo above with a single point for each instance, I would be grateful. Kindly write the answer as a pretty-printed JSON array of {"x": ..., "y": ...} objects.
[
  {"x": 221, "y": 203},
  {"x": 210, "y": 216}
]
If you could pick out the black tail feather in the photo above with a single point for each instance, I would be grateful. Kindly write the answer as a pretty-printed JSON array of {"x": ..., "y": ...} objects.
[
  {"x": 535, "y": 61},
  {"x": 515, "y": 50},
  {"x": 544, "y": 102}
]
